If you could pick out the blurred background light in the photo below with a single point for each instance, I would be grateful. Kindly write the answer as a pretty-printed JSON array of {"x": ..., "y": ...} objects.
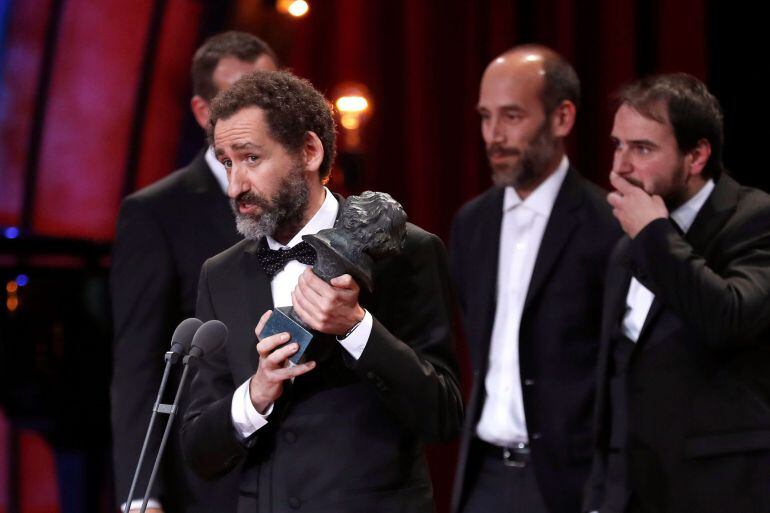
[{"x": 296, "y": 8}]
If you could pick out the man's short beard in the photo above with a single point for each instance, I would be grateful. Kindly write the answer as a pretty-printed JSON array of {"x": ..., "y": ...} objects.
[
  {"x": 676, "y": 196},
  {"x": 532, "y": 163},
  {"x": 283, "y": 213}
]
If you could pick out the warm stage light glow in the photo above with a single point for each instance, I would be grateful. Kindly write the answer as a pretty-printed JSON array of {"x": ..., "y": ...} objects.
[
  {"x": 350, "y": 121},
  {"x": 354, "y": 107},
  {"x": 11, "y": 287},
  {"x": 352, "y": 104},
  {"x": 296, "y": 8}
]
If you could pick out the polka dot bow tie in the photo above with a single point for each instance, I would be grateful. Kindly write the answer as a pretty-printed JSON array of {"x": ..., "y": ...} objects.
[{"x": 273, "y": 260}]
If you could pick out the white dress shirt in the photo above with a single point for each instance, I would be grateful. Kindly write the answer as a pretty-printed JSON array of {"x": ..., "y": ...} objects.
[
  {"x": 246, "y": 418},
  {"x": 639, "y": 298},
  {"x": 502, "y": 419}
]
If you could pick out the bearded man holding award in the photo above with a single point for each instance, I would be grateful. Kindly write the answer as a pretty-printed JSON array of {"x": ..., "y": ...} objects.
[{"x": 336, "y": 423}]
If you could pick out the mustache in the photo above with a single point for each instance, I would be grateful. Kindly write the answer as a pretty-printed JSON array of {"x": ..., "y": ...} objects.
[
  {"x": 498, "y": 150},
  {"x": 249, "y": 198}
]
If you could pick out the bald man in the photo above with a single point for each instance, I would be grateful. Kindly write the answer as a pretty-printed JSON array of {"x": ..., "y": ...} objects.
[{"x": 528, "y": 259}]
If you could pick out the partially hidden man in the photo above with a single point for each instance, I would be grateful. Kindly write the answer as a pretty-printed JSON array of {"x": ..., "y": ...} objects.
[
  {"x": 529, "y": 257},
  {"x": 683, "y": 414},
  {"x": 342, "y": 431},
  {"x": 164, "y": 234}
]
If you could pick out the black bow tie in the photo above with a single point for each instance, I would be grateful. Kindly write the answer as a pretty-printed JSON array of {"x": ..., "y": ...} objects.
[{"x": 273, "y": 260}]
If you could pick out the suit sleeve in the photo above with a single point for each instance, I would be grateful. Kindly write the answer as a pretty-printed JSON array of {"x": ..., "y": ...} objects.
[
  {"x": 209, "y": 439},
  {"x": 142, "y": 289},
  {"x": 410, "y": 358},
  {"x": 725, "y": 299}
]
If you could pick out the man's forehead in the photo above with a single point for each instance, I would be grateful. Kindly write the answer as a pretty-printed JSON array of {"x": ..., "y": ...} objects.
[
  {"x": 633, "y": 123},
  {"x": 244, "y": 128},
  {"x": 655, "y": 111},
  {"x": 504, "y": 84}
]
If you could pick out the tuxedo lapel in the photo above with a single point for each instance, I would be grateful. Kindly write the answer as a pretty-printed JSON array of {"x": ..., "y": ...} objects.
[
  {"x": 484, "y": 271},
  {"x": 713, "y": 215},
  {"x": 618, "y": 281},
  {"x": 561, "y": 224},
  {"x": 252, "y": 291}
]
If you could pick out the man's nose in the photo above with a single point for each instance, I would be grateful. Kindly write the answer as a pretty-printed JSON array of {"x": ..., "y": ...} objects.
[
  {"x": 236, "y": 183},
  {"x": 497, "y": 133},
  {"x": 621, "y": 163}
]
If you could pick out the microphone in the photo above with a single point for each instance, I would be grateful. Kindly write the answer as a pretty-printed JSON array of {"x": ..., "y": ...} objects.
[
  {"x": 208, "y": 338},
  {"x": 180, "y": 342},
  {"x": 183, "y": 336}
]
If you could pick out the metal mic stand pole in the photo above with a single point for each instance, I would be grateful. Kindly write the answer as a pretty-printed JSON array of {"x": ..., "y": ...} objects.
[
  {"x": 171, "y": 410},
  {"x": 171, "y": 358}
]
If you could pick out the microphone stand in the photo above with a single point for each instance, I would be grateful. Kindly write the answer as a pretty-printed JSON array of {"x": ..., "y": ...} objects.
[
  {"x": 171, "y": 358},
  {"x": 171, "y": 410}
]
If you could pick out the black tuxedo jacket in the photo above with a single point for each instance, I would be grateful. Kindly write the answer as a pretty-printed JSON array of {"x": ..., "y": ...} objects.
[
  {"x": 347, "y": 436},
  {"x": 698, "y": 380},
  {"x": 164, "y": 234},
  {"x": 559, "y": 332}
]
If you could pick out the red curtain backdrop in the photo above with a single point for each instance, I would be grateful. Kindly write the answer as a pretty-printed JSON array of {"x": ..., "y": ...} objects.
[{"x": 421, "y": 60}]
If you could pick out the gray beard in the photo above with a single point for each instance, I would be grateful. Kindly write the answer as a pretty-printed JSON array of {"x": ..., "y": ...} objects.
[{"x": 283, "y": 212}]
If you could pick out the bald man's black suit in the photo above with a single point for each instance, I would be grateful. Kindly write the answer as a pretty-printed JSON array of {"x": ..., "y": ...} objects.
[{"x": 559, "y": 331}]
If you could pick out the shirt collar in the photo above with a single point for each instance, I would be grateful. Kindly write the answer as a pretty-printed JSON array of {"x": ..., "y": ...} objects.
[
  {"x": 217, "y": 169},
  {"x": 541, "y": 200},
  {"x": 685, "y": 214},
  {"x": 323, "y": 219}
]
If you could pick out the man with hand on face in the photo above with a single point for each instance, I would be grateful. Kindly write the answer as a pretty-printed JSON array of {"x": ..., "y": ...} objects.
[
  {"x": 528, "y": 257},
  {"x": 343, "y": 430},
  {"x": 683, "y": 413},
  {"x": 164, "y": 233}
]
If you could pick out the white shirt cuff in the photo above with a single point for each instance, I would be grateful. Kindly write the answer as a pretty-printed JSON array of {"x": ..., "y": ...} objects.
[
  {"x": 136, "y": 504},
  {"x": 355, "y": 343},
  {"x": 246, "y": 419}
]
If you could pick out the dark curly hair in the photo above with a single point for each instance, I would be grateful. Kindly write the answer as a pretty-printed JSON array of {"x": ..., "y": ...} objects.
[
  {"x": 241, "y": 45},
  {"x": 292, "y": 106},
  {"x": 693, "y": 112}
]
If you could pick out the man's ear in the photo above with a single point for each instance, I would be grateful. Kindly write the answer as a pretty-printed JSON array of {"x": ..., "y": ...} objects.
[
  {"x": 201, "y": 110},
  {"x": 563, "y": 119},
  {"x": 312, "y": 152},
  {"x": 698, "y": 157}
]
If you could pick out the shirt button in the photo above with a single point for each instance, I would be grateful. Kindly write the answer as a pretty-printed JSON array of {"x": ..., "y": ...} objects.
[
  {"x": 529, "y": 382},
  {"x": 290, "y": 437},
  {"x": 294, "y": 503},
  {"x": 537, "y": 436},
  {"x": 371, "y": 376}
]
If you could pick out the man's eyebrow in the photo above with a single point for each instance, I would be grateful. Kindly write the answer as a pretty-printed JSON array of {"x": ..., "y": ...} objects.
[
  {"x": 244, "y": 145},
  {"x": 634, "y": 142},
  {"x": 513, "y": 107},
  {"x": 642, "y": 142}
]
